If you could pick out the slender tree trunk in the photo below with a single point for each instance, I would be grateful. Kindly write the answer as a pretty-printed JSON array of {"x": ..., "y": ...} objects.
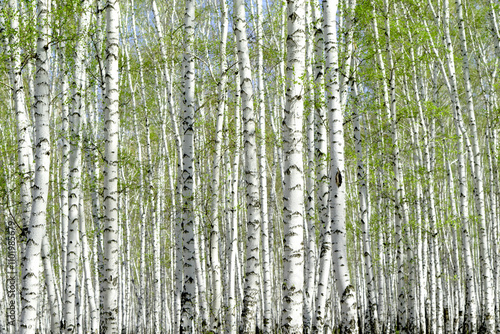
[
  {"x": 143, "y": 198},
  {"x": 64, "y": 171},
  {"x": 266, "y": 266},
  {"x": 372, "y": 323},
  {"x": 233, "y": 257},
  {"x": 141, "y": 316},
  {"x": 492, "y": 153},
  {"x": 202, "y": 322},
  {"x": 89, "y": 288},
  {"x": 487, "y": 300},
  {"x": 215, "y": 234},
  {"x": 293, "y": 184},
  {"x": 309, "y": 221},
  {"x": 75, "y": 178},
  {"x": 93, "y": 171},
  {"x": 155, "y": 219},
  {"x": 253, "y": 221},
  {"x": 109, "y": 312},
  {"x": 457, "y": 272},
  {"x": 348, "y": 321},
  {"x": 24, "y": 145},
  {"x": 50, "y": 284},
  {"x": 36, "y": 231},
  {"x": 189, "y": 285},
  {"x": 400, "y": 208},
  {"x": 322, "y": 192},
  {"x": 24, "y": 156}
]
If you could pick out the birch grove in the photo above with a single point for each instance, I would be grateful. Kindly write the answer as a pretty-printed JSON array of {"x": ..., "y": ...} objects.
[{"x": 249, "y": 166}]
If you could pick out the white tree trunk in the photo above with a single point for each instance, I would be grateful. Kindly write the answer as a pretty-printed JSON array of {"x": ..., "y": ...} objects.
[
  {"x": 188, "y": 293},
  {"x": 24, "y": 154},
  {"x": 321, "y": 147},
  {"x": 372, "y": 325},
  {"x": 457, "y": 272},
  {"x": 487, "y": 300},
  {"x": 155, "y": 219},
  {"x": 32, "y": 255},
  {"x": 400, "y": 213},
  {"x": 50, "y": 284},
  {"x": 495, "y": 244},
  {"x": 293, "y": 183},
  {"x": 233, "y": 241},
  {"x": 266, "y": 266},
  {"x": 203, "y": 318},
  {"x": 93, "y": 171},
  {"x": 143, "y": 198},
  {"x": 24, "y": 145},
  {"x": 309, "y": 221},
  {"x": 75, "y": 170},
  {"x": 64, "y": 171},
  {"x": 252, "y": 268},
  {"x": 89, "y": 288},
  {"x": 347, "y": 294},
  {"x": 215, "y": 235},
  {"x": 109, "y": 313}
]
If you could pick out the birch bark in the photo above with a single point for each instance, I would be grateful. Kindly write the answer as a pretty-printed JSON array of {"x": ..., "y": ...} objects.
[
  {"x": 215, "y": 235},
  {"x": 50, "y": 284},
  {"x": 253, "y": 220},
  {"x": 457, "y": 272},
  {"x": 24, "y": 145},
  {"x": 89, "y": 288},
  {"x": 266, "y": 274},
  {"x": 143, "y": 198},
  {"x": 337, "y": 201},
  {"x": 32, "y": 255},
  {"x": 64, "y": 169},
  {"x": 109, "y": 312},
  {"x": 188, "y": 235},
  {"x": 293, "y": 183},
  {"x": 492, "y": 153},
  {"x": 309, "y": 221},
  {"x": 93, "y": 171},
  {"x": 75, "y": 165},
  {"x": 233, "y": 259},
  {"x": 373, "y": 326},
  {"x": 322, "y": 192},
  {"x": 487, "y": 300}
]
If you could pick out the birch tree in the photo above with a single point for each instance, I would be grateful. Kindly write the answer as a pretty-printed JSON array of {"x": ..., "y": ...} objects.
[
  {"x": 266, "y": 270},
  {"x": 37, "y": 226},
  {"x": 487, "y": 299},
  {"x": 109, "y": 313},
  {"x": 75, "y": 165},
  {"x": 188, "y": 235},
  {"x": 293, "y": 183},
  {"x": 233, "y": 240},
  {"x": 309, "y": 154},
  {"x": 250, "y": 249},
  {"x": 252, "y": 266},
  {"x": 214, "y": 237},
  {"x": 322, "y": 192},
  {"x": 25, "y": 153},
  {"x": 372, "y": 314},
  {"x": 337, "y": 204}
]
